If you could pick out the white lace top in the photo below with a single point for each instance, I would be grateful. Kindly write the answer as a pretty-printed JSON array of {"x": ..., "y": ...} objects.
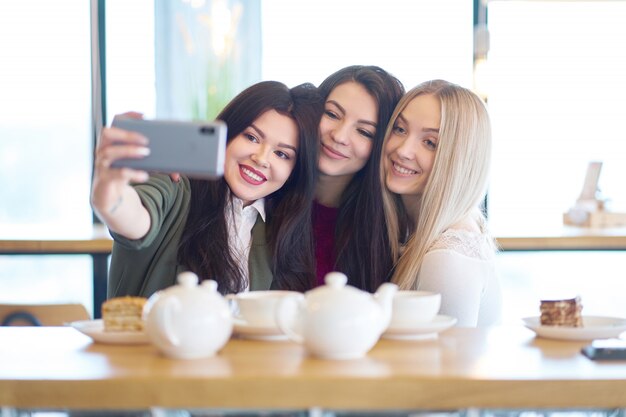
[{"x": 461, "y": 266}]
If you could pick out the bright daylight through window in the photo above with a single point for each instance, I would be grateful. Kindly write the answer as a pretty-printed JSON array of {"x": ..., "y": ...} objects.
[
  {"x": 556, "y": 92},
  {"x": 554, "y": 82},
  {"x": 556, "y": 86}
]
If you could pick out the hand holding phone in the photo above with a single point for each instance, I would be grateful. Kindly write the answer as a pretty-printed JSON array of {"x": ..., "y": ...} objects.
[{"x": 196, "y": 149}]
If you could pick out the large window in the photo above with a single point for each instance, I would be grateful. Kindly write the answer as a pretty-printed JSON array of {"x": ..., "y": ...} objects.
[
  {"x": 46, "y": 131},
  {"x": 555, "y": 86},
  {"x": 307, "y": 40},
  {"x": 556, "y": 95},
  {"x": 129, "y": 69},
  {"x": 46, "y": 103},
  {"x": 45, "y": 117},
  {"x": 45, "y": 144},
  {"x": 556, "y": 83}
]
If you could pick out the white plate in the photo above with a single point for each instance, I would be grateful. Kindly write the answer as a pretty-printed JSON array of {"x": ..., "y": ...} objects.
[
  {"x": 247, "y": 331},
  {"x": 422, "y": 332},
  {"x": 95, "y": 330},
  {"x": 594, "y": 327}
]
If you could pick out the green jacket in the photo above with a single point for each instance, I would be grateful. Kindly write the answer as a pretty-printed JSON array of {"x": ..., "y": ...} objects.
[{"x": 142, "y": 267}]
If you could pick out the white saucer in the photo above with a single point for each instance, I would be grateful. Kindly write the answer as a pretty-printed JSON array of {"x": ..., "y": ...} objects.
[
  {"x": 248, "y": 331},
  {"x": 424, "y": 331},
  {"x": 594, "y": 327},
  {"x": 95, "y": 330}
]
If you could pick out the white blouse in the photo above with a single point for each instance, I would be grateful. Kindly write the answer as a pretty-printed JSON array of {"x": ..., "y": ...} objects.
[
  {"x": 240, "y": 220},
  {"x": 461, "y": 266}
]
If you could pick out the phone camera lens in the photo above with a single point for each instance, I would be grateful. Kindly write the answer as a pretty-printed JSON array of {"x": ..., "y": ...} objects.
[{"x": 207, "y": 130}]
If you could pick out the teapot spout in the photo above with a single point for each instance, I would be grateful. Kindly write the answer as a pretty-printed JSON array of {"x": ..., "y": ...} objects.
[{"x": 384, "y": 298}]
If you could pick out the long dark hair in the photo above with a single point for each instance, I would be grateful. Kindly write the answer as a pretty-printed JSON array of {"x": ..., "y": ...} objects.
[
  {"x": 361, "y": 241},
  {"x": 204, "y": 249}
]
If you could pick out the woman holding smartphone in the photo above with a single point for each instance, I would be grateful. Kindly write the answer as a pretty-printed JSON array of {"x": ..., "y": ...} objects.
[
  {"x": 162, "y": 227},
  {"x": 435, "y": 166}
]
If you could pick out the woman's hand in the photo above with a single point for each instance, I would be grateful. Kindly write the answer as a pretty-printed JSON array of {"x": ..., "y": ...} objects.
[{"x": 113, "y": 198}]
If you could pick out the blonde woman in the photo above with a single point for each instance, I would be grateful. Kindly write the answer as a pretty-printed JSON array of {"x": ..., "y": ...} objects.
[{"x": 435, "y": 166}]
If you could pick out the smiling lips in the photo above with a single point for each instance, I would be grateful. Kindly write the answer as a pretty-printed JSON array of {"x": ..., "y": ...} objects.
[
  {"x": 251, "y": 175},
  {"x": 333, "y": 154},
  {"x": 401, "y": 171}
]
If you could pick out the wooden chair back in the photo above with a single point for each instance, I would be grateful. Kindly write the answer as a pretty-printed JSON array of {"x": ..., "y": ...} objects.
[{"x": 41, "y": 314}]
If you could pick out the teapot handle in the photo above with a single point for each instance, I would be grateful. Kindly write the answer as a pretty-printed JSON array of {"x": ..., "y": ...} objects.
[
  {"x": 164, "y": 319},
  {"x": 288, "y": 315}
]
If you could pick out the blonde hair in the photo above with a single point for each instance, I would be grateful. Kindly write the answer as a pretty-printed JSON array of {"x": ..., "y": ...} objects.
[{"x": 457, "y": 183}]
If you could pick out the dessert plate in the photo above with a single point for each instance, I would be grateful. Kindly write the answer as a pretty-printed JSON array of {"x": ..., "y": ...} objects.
[
  {"x": 424, "y": 331},
  {"x": 242, "y": 329},
  {"x": 594, "y": 327},
  {"x": 95, "y": 330}
]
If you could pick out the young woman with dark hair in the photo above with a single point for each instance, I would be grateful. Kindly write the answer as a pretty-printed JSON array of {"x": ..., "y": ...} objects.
[
  {"x": 348, "y": 218},
  {"x": 162, "y": 227}
]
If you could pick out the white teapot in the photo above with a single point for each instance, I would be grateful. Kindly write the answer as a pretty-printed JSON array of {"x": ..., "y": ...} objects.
[
  {"x": 188, "y": 321},
  {"x": 337, "y": 321}
]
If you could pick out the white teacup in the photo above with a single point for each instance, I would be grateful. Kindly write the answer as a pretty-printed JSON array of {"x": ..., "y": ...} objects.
[
  {"x": 413, "y": 308},
  {"x": 258, "y": 308}
]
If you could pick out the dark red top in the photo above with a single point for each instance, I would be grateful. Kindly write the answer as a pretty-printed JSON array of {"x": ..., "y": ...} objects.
[{"x": 324, "y": 222}]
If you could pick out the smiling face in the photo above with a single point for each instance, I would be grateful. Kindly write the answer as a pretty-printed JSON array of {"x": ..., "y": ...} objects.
[
  {"x": 347, "y": 129},
  {"x": 261, "y": 158},
  {"x": 409, "y": 152}
]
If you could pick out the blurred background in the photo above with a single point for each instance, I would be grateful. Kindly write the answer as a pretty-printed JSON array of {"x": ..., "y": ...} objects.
[{"x": 552, "y": 73}]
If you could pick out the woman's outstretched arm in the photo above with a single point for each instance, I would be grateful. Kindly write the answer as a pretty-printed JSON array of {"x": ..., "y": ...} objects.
[{"x": 113, "y": 198}]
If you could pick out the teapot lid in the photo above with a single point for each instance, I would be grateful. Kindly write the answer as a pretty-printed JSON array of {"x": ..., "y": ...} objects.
[
  {"x": 336, "y": 279},
  {"x": 189, "y": 280},
  {"x": 187, "y": 288},
  {"x": 336, "y": 283},
  {"x": 338, "y": 299}
]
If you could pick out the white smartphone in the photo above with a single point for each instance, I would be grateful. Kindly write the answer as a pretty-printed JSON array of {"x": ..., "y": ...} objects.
[{"x": 195, "y": 149}]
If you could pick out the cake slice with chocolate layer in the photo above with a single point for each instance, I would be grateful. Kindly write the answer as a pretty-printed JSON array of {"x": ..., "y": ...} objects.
[
  {"x": 123, "y": 314},
  {"x": 562, "y": 312}
]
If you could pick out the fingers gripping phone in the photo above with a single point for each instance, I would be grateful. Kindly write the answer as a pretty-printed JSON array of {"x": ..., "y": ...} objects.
[{"x": 195, "y": 149}]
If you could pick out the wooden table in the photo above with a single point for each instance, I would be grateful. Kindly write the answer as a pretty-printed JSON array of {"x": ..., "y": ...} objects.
[
  {"x": 502, "y": 367},
  {"x": 98, "y": 245},
  {"x": 564, "y": 238}
]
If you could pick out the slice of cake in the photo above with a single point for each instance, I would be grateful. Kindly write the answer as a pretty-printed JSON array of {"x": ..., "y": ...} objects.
[
  {"x": 123, "y": 314},
  {"x": 561, "y": 312}
]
